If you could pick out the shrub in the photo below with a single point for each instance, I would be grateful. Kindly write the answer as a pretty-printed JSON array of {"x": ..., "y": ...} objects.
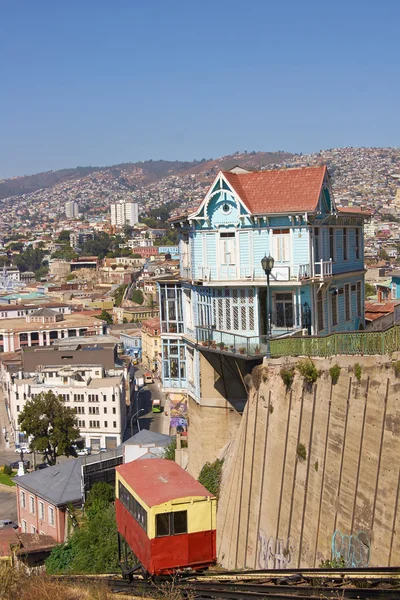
[
  {"x": 271, "y": 409},
  {"x": 334, "y": 373},
  {"x": 287, "y": 374},
  {"x": 396, "y": 367},
  {"x": 301, "y": 451},
  {"x": 316, "y": 465},
  {"x": 259, "y": 374},
  {"x": 169, "y": 451},
  {"x": 7, "y": 470},
  {"x": 308, "y": 371},
  {"x": 357, "y": 371},
  {"x": 210, "y": 476},
  {"x": 333, "y": 564}
]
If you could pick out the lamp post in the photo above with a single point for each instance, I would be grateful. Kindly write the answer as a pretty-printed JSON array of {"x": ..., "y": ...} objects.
[
  {"x": 267, "y": 264},
  {"x": 133, "y": 416}
]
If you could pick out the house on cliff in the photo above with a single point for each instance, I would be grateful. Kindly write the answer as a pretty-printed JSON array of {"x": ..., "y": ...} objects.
[{"x": 217, "y": 311}]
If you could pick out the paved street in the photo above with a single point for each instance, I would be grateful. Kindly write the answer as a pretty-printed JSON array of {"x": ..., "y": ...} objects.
[
  {"x": 8, "y": 505},
  {"x": 156, "y": 422}
]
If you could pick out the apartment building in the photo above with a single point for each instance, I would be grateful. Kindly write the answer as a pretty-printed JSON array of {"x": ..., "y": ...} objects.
[
  {"x": 71, "y": 209},
  {"x": 151, "y": 344},
  {"x": 44, "y": 326},
  {"x": 124, "y": 213}
]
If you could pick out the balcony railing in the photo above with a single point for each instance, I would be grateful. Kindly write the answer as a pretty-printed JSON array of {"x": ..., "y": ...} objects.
[
  {"x": 319, "y": 270},
  {"x": 234, "y": 343},
  {"x": 322, "y": 269}
]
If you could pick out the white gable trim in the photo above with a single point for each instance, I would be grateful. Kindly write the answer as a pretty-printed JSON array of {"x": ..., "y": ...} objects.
[{"x": 210, "y": 194}]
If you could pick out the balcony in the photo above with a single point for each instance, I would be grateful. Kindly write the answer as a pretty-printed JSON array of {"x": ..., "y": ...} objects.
[
  {"x": 322, "y": 270},
  {"x": 281, "y": 273},
  {"x": 240, "y": 345}
]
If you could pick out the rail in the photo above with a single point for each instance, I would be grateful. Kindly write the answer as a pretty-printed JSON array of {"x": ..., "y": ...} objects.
[{"x": 352, "y": 343}]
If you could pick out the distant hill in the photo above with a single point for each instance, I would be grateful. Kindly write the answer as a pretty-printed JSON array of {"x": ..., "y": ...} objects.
[{"x": 133, "y": 174}]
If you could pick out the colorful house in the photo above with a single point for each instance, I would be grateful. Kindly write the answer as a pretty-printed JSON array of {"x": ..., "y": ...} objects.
[{"x": 221, "y": 302}]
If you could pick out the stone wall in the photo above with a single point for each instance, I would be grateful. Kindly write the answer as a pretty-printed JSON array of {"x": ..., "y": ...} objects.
[{"x": 281, "y": 510}]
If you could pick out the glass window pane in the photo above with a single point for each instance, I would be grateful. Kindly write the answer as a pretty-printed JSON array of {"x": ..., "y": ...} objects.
[
  {"x": 180, "y": 521},
  {"x": 162, "y": 524}
]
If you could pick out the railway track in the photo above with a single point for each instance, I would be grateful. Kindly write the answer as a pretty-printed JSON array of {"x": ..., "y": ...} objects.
[{"x": 311, "y": 584}]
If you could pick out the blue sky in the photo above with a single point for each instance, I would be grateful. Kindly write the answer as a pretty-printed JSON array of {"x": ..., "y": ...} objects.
[{"x": 98, "y": 82}]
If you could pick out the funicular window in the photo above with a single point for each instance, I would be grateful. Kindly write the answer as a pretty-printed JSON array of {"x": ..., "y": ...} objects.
[
  {"x": 171, "y": 523},
  {"x": 132, "y": 505}
]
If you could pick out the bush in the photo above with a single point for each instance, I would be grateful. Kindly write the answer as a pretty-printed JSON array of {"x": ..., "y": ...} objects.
[
  {"x": 334, "y": 373},
  {"x": 7, "y": 470},
  {"x": 210, "y": 476},
  {"x": 301, "y": 451},
  {"x": 333, "y": 564},
  {"x": 287, "y": 374},
  {"x": 169, "y": 451},
  {"x": 259, "y": 374},
  {"x": 308, "y": 371},
  {"x": 357, "y": 371}
]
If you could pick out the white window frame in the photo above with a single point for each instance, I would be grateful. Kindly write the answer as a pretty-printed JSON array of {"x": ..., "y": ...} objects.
[
  {"x": 32, "y": 505},
  {"x": 51, "y": 516},
  {"x": 393, "y": 290},
  {"x": 41, "y": 510},
  {"x": 281, "y": 245},
  {"x": 33, "y": 529},
  {"x": 333, "y": 245},
  {"x": 24, "y": 526},
  {"x": 23, "y": 499},
  {"x": 227, "y": 248}
]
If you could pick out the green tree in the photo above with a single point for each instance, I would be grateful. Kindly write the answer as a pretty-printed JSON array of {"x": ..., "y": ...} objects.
[
  {"x": 369, "y": 290},
  {"x": 51, "y": 425},
  {"x": 119, "y": 294},
  {"x": 99, "y": 498},
  {"x": 105, "y": 316},
  {"x": 93, "y": 547},
  {"x": 151, "y": 304},
  {"x": 383, "y": 255},
  {"x": 137, "y": 296},
  {"x": 64, "y": 236}
]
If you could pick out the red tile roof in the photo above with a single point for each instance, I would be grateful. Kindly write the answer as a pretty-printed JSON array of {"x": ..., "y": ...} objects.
[
  {"x": 159, "y": 480},
  {"x": 280, "y": 191},
  {"x": 356, "y": 210}
]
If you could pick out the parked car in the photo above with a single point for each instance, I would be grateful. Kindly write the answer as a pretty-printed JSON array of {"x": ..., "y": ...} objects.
[
  {"x": 22, "y": 449},
  {"x": 83, "y": 452},
  {"x": 8, "y": 524},
  {"x": 42, "y": 466},
  {"x": 15, "y": 464}
]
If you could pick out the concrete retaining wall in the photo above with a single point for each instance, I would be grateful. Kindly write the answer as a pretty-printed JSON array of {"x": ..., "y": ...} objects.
[{"x": 278, "y": 510}]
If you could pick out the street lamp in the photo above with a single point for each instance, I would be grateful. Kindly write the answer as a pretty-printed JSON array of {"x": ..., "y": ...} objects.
[
  {"x": 133, "y": 416},
  {"x": 267, "y": 264}
]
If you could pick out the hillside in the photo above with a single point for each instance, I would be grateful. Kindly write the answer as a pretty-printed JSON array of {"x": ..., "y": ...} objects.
[
  {"x": 360, "y": 176},
  {"x": 131, "y": 174}
]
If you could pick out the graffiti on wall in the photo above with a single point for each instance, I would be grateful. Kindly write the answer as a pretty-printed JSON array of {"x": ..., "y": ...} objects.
[
  {"x": 354, "y": 549},
  {"x": 274, "y": 553},
  {"x": 178, "y": 410}
]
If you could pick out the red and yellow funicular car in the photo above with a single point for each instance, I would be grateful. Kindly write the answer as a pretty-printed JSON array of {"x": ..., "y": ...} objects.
[{"x": 166, "y": 517}]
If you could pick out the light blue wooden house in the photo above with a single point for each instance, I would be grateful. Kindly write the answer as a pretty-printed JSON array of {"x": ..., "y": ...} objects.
[{"x": 221, "y": 303}]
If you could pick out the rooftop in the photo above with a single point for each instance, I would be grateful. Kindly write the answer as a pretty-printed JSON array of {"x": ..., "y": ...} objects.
[
  {"x": 73, "y": 320},
  {"x": 159, "y": 480},
  {"x": 58, "y": 485}
]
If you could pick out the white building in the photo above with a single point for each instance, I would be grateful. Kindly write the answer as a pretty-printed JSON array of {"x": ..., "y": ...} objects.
[
  {"x": 124, "y": 213},
  {"x": 97, "y": 395},
  {"x": 71, "y": 209}
]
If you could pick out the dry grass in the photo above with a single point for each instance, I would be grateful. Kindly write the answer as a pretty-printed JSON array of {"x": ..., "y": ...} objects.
[{"x": 16, "y": 585}]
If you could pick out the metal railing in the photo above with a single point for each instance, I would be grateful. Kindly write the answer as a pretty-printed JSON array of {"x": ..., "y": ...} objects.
[{"x": 352, "y": 343}]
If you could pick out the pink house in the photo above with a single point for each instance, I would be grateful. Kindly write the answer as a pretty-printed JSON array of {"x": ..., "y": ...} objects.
[{"x": 43, "y": 498}]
